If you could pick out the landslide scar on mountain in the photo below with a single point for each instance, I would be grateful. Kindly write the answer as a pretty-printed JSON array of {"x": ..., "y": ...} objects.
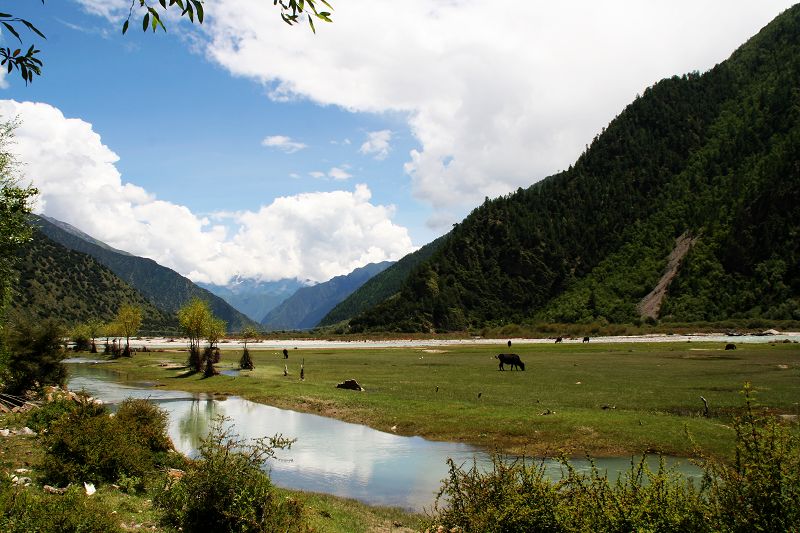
[{"x": 650, "y": 305}]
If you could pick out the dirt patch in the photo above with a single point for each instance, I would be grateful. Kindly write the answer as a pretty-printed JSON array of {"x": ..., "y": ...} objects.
[
  {"x": 435, "y": 351},
  {"x": 650, "y": 306}
]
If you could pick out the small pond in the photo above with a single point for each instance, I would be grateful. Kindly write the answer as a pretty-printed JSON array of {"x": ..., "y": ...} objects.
[{"x": 348, "y": 460}]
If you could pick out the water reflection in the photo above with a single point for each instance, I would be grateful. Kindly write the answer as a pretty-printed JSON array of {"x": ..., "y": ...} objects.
[{"x": 348, "y": 460}]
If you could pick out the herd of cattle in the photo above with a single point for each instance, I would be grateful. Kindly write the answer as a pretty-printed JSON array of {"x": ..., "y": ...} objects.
[{"x": 514, "y": 361}]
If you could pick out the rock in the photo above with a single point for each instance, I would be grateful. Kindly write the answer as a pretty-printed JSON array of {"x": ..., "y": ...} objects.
[
  {"x": 349, "y": 384},
  {"x": 5, "y": 432},
  {"x": 788, "y": 418},
  {"x": 53, "y": 490},
  {"x": 26, "y": 431}
]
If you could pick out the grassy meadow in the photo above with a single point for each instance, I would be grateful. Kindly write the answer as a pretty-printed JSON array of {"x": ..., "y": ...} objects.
[{"x": 651, "y": 391}]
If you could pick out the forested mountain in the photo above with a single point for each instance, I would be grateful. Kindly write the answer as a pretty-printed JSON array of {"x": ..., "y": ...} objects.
[
  {"x": 306, "y": 307},
  {"x": 381, "y": 286},
  {"x": 55, "y": 282},
  {"x": 713, "y": 157},
  {"x": 255, "y": 298},
  {"x": 163, "y": 287}
]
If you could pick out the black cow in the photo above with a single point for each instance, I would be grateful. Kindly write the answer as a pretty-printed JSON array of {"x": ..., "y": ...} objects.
[
  {"x": 730, "y": 346},
  {"x": 510, "y": 359},
  {"x": 559, "y": 339},
  {"x": 586, "y": 339}
]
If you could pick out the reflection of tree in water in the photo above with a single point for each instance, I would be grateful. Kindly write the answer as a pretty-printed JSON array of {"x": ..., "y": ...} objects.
[{"x": 193, "y": 426}]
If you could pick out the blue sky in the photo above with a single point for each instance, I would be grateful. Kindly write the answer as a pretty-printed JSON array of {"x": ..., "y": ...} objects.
[{"x": 241, "y": 147}]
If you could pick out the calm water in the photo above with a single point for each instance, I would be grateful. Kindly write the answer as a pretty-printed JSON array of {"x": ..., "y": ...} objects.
[{"x": 348, "y": 460}]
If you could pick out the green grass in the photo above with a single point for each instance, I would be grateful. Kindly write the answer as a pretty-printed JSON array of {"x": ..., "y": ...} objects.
[{"x": 654, "y": 388}]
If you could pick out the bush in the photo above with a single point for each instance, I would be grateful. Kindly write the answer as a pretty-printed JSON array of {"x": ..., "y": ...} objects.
[
  {"x": 760, "y": 491},
  {"x": 88, "y": 444},
  {"x": 23, "y": 510},
  {"x": 33, "y": 357},
  {"x": 43, "y": 417},
  {"x": 225, "y": 489}
]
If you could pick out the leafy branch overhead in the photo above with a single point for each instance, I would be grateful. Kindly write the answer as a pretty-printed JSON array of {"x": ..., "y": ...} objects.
[
  {"x": 28, "y": 63},
  {"x": 292, "y": 12}
]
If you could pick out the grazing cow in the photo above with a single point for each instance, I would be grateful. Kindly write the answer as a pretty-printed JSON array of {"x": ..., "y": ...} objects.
[
  {"x": 586, "y": 339},
  {"x": 730, "y": 346},
  {"x": 510, "y": 359},
  {"x": 559, "y": 339}
]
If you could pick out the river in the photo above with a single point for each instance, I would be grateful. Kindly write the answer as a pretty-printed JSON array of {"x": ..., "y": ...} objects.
[{"x": 330, "y": 456}]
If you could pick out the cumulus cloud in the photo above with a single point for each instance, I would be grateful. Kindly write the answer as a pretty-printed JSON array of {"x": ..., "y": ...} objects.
[
  {"x": 339, "y": 174},
  {"x": 283, "y": 143},
  {"x": 377, "y": 143},
  {"x": 314, "y": 235},
  {"x": 497, "y": 98}
]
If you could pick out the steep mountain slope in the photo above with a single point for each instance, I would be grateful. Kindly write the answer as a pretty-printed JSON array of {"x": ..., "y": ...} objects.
[
  {"x": 380, "y": 287},
  {"x": 165, "y": 288},
  {"x": 713, "y": 156},
  {"x": 255, "y": 298},
  {"x": 55, "y": 282},
  {"x": 306, "y": 307}
]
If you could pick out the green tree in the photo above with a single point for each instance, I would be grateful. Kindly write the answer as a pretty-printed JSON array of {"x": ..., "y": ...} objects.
[
  {"x": 33, "y": 355},
  {"x": 194, "y": 318},
  {"x": 15, "y": 206},
  {"x": 129, "y": 320},
  {"x": 28, "y": 63},
  {"x": 95, "y": 327},
  {"x": 215, "y": 330},
  {"x": 247, "y": 334}
]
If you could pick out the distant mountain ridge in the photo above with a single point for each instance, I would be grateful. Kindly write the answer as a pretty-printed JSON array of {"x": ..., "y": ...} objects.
[
  {"x": 255, "y": 298},
  {"x": 165, "y": 288},
  {"x": 381, "y": 286},
  {"x": 306, "y": 307},
  {"x": 710, "y": 156},
  {"x": 56, "y": 282}
]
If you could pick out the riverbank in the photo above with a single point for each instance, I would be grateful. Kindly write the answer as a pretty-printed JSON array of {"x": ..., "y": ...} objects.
[
  {"x": 20, "y": 455},
  {"x": 597, "y": 398}
]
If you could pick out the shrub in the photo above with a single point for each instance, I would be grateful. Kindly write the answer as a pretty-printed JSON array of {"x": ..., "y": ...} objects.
[
  {"x": 760, "y": 490},
  {"x": 26, "y": 509},
  {"x": 33, "y": 357},
  {"x": 510, "y": 497},
  {"x": 41, "y": 418},
  {"x": 146, "y": 422},
  {"x": 225, "y": 489},
  {"x": 88, "y": 444},
  {"x": 246, "y": 362}
]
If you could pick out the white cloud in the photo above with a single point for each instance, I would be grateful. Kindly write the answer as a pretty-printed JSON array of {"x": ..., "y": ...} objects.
[
  {"x": 283, "y": 143},
  {"x": 113, "y": 10},
  {"x": 314, "y": 235},
  {"x": 339, "y": 174},
  {"x": 377, "y": 143},
  {"x": 316, "y": 174},
  {"x": 496, "y": 97}
]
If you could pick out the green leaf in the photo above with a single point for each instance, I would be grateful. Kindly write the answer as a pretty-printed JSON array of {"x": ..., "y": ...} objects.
[
  {"x": 11, "y": 29},
  {"x": 199, "y": 7},
  {"x": 34, "y": 29},
  {"x": 125, "y": 27},
  {"x": 145, "y": 21}
]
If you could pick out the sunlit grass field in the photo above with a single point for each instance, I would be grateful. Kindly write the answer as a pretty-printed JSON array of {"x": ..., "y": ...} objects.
[{"x": 598, "y": 398}]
